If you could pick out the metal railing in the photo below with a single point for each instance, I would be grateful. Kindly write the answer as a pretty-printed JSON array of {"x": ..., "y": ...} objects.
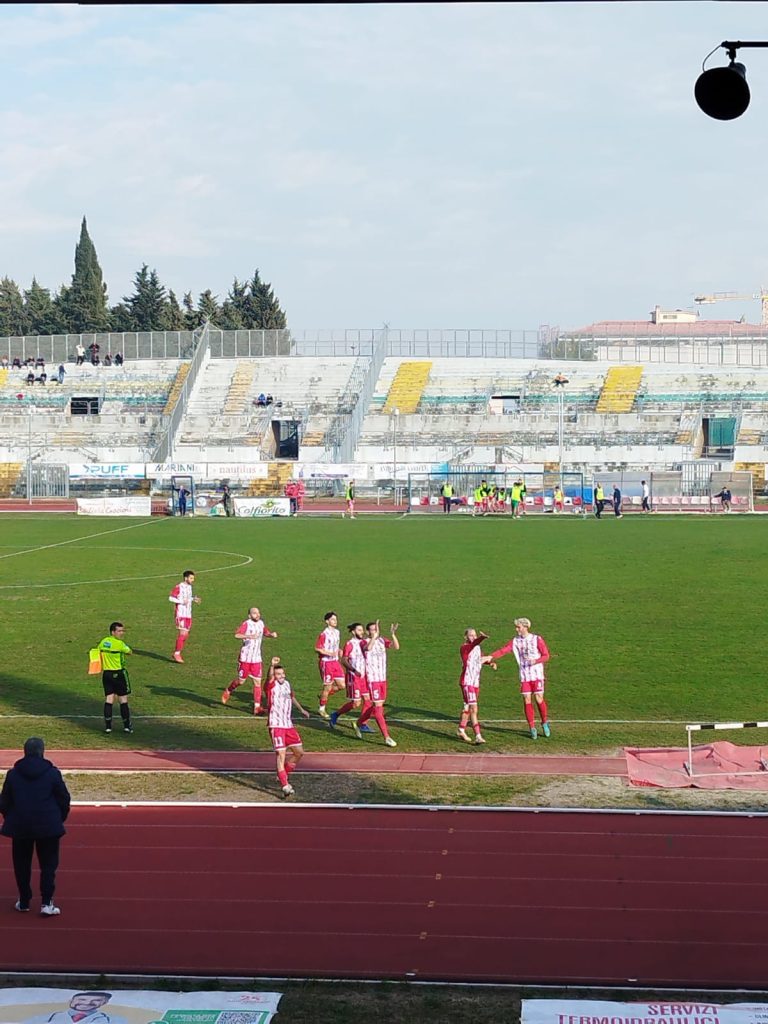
[
  {"x": 346, "y": 426},
  {"x": 164, "y": 450}
]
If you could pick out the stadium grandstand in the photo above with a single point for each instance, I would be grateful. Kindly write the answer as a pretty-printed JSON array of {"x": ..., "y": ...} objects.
[{"x": 622, "y": 400}]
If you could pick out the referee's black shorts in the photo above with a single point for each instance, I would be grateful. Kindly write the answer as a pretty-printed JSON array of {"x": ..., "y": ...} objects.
[{"x": 115, "y": 681}]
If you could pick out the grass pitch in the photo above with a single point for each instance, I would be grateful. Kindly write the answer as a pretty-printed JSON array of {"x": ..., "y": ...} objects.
[{"x": 650, "y": 621}]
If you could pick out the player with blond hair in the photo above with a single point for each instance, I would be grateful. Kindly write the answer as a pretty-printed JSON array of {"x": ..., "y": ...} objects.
[{"x": 531, "y": 654}]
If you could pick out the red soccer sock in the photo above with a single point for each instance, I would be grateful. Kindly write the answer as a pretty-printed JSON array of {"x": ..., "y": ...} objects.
[
  {"x": 257, "y": 695},
  {"x": 543, "y": 710},
  {"x": 378, "y": 714},
  {"x": 365, "y": 714},
  {"x": 282, "y": 777},
  {"x": 323, "y": 699},
  {"x": 529, "y": 716},
  {"x": 463, "y": 720},
  {"x": 476, "y": 727},
  {"x": 234, "y": 685},
  {"x": 345, "y": 708},
  {"x": 181, "y": 639},
  {"x": 290, "y": 767}
]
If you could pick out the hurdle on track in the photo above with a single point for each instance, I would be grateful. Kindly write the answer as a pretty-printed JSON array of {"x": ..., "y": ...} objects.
[{"x": 701, "y": 726}]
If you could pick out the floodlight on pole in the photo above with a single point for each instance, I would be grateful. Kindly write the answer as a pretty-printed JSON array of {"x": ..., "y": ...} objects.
[{"x": 723, "y": 93}]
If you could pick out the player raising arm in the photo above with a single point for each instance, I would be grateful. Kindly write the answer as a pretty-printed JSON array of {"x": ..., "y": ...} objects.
[
  {"x": 286, "y": 741},
  {"x": 531, "y": 654},
  {"x": 353, "y": 661},
  {"x": 250, "y": 632},
  {"x": 331, "y": 672},
  {"x": 183, "y": 598},
  {"x": 469, "y": 681},
  {"x": 375, "y": 651}
]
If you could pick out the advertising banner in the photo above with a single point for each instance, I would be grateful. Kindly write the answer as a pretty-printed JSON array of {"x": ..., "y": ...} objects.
[
  {"x": 123, "y": 1006},
  {"x": 578, "y": 1011},
  {"x": 262, "y": 508},
  {"x": 139, "y": 506},
  {"x": 237, "y": 471},
  {"x": 165, "y": 470},
  {"x": 107, "y": 470},
  {"x": 331, "y": 471}
]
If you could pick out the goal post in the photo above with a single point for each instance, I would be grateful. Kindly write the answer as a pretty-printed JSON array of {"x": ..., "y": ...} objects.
[{"x": 703, "y": 726}]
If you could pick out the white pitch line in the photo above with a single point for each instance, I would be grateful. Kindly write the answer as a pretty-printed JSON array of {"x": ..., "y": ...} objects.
[
  {"x": 403, "y": 721},
  {"x": 75, "y": 540},
  {"x": 133, "y": 579}
]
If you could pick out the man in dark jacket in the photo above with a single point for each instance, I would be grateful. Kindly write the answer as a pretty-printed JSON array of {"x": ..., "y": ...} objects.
[{"x": 34, "y": 803}]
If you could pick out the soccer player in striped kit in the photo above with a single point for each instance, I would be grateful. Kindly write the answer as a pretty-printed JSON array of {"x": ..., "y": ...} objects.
[
  {"x": 250, "y": 633},
  {"x": 531, "y": 654},
  {"x": 286, "y": 741},
  {"x": 331, "y": 672},
  {"x": 375, "y": 651},
  {"x": 353, "y": 661},
  {"x": 183, "y": 598},
  {"x": 469, "y": 681}
]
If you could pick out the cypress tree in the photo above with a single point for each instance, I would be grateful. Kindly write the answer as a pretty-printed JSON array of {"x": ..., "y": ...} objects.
[{"x": 87, "y": 296}]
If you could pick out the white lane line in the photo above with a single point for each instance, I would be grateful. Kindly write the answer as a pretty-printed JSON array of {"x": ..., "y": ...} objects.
[
  {"x": 450, "y": 722},
  {"x": 76, "y": 540}
]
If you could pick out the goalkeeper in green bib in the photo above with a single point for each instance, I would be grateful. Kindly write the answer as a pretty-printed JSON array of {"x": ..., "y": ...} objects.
[{"x": 112, "y": 652}]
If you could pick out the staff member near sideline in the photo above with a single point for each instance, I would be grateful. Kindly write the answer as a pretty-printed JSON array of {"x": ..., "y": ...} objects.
[
  {"x": 447, "y": 494},
  {"x": 34, "y": 802}
]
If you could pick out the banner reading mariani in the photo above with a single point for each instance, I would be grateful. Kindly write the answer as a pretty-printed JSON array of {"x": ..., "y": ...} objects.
[
  {"x": 578, "y": 1011},
  {"x": 121, "y": 1006}
]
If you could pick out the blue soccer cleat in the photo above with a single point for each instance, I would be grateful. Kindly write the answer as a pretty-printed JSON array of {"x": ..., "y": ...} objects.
[
  {"x": 333, "y": 720},
  {"x": 365, "y": 728},
  {"x": 545, "y": 729}
]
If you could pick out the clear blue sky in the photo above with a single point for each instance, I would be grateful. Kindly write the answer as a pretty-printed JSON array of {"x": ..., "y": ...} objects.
[{"x": 460, "y": 165}]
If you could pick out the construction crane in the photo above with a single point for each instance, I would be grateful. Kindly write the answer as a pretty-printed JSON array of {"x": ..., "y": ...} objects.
[{"x": 762, "y": 296}]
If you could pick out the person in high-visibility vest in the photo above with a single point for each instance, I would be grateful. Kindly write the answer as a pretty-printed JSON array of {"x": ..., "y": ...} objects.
[
  {"x": 349, "y": 497},
  {"x": 447, "y": 492},
  {"x": 477, "y": 508},
  {"x": 599, "y": 500},
  {"x": 516, "y": 496},
  {"x": 559, "y": 500}
]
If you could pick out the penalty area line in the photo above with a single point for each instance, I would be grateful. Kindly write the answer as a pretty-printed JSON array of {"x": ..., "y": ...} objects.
[
  {"x": 76, "y": 540},
  {"x": 450, "y": 722}
]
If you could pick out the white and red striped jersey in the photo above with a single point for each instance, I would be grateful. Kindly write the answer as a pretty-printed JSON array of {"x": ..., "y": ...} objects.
[
  {"x": 527, "y": 650},
  {"x": 181, "y": 596},
  {"x": 280, "y": 704},
  {"x": 354, "y": 654},
  {"x": 251, "y": 645},
  {"x": 471, "y": 663},
  {"x": 329, "y": 639},
  {"x": 376, "y": 659}
]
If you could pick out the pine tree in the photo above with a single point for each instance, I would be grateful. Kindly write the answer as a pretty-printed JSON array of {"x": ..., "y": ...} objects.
[
  {"x": 87, "y": 296},
  {"x": 208, "y": 308},
  {"x": 191, "y": 316},
  {"x": 234, "y": 309},
  {"x": 149, "y": 302},
  {"x": 61, "y": 308},
  {"x": 121, "y": 318},
  {"x": 42, "y": 315},
  {"x": 175, "y": 316},
  {"x": 266, "y": 312},
  {"x": 13, "y": 320}
]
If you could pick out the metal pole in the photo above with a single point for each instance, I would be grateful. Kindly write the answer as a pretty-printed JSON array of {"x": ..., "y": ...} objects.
[
  {"x": 560, "y": 429},
  {"x": 29, "y": 456},
  {"x": 395, "y": 414}
]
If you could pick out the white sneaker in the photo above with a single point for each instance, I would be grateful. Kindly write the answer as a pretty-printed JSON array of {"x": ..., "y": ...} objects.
[
  {"x": 323, "y": 713},
  {"x": 356, "y": 727},
  {"x": 49, "y": 910},
  {"x": 461, "y": 733},
  {"x": 390, "y": 742},
  {"x": 288, "y": 790},
  {"x": 479, "y": 739}
]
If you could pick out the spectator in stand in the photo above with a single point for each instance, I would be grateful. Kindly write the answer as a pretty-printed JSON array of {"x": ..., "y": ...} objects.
[
  {"x": 107, "y": 359},
  {"x": 61, "y": 373},
  {"x": 261, "y": 400},
  {"x": 31, "y": 377},
  {"x": 79, "y": 354},
  {"x": 118, "y": 358},
  {"x": 269, "y": 400},
  {"x": 16, "y": 364},
  {"x": 39, "y": 363},
  {"x": 560, "y": 380},
  {"x": 3, "y": 363},
  {"x": 42, "y": 378}
]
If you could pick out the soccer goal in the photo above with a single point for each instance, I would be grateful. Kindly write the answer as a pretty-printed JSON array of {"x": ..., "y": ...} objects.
[{"x": 702, "y": 726}]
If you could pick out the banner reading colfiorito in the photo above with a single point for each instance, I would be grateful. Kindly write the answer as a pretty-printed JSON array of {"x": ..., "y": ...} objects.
[
  {"x": 585, "y": 1011},
  {"x": 122, "y": 1006}
]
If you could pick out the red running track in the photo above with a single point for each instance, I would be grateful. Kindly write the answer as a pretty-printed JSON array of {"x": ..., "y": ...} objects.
[{"x": 564, "y": 898}]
